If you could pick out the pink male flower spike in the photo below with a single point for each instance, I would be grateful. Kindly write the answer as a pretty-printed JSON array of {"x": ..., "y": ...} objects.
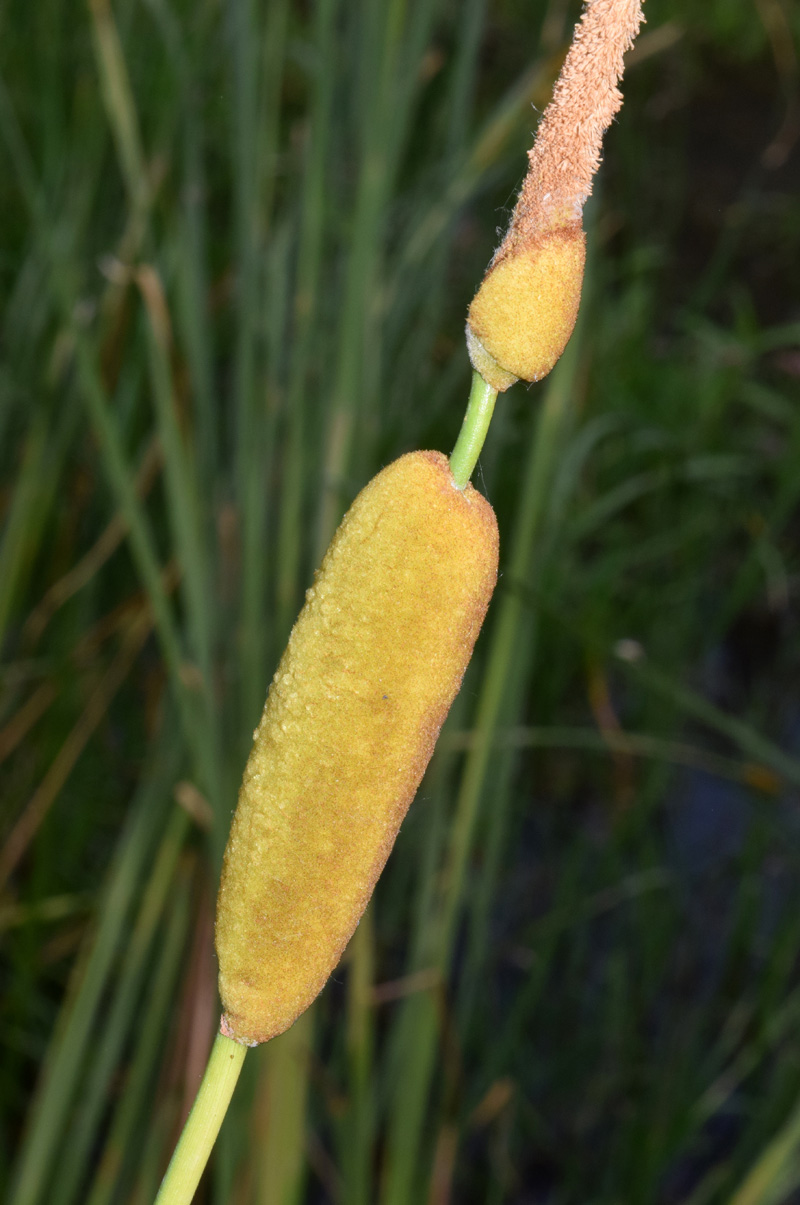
[{"x": 525, "y": 309}]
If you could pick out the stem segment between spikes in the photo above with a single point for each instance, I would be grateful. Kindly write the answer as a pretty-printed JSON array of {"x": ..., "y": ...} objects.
[{"x": 480, "y": 408}]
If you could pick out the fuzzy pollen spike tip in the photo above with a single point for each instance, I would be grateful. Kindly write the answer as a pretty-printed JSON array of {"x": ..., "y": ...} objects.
[{"x": 523, "y": 314}]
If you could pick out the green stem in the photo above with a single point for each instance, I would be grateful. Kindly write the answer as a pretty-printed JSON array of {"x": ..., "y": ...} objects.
[
  {"x": 480, "y": 408},
  {"x": 203, "y": 1123}
]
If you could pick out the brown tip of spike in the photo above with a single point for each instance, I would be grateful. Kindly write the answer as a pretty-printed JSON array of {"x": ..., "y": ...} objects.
[{"x": 567, "y": 151}]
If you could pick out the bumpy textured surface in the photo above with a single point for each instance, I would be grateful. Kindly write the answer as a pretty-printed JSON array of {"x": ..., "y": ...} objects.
[
  {"x": 372, "y": 665},
  {"x": 525, "y": 310},
  {"x": 567, "y": 151}
]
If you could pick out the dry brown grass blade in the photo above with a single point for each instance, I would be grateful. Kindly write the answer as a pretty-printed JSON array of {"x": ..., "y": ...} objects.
[
  {"x": 444, "y": 1165},
  {"x": 120, "y": 618},
  {"x": 93, "y": 560},
  {"x": 198, "y": 1008},
  {"x": 202, "y": 1010},
  {"x": 607, "y": 720},
  {"x": 43, "y": 798},
  {"x": 777, "y": 23},
  {"x": 29, "y": 714},
  {"x": 152, "y": 292},
  {"x": 407, "y": 985},
  {"x": 633, "y": 744}
]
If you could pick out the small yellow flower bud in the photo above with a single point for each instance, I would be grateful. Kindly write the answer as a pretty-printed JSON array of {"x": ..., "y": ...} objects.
[{"x": 524, "y": 312}]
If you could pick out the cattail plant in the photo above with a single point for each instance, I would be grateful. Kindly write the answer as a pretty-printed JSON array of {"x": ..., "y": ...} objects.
[
  {"x": 524, "y": 312},
  {"x": 372, "y": 666},
  {"x": 379, "y": 650}
]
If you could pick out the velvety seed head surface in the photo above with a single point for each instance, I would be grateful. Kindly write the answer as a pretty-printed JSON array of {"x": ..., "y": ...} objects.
[
  {"x": 372, "y": 666},
  {"x": 525, "y": 310}
]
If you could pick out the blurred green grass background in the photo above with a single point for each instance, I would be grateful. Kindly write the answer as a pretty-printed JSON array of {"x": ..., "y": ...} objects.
[{"x": 238, "y": 241}]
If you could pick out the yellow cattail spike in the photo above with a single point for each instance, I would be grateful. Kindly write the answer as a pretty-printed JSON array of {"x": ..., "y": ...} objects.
[
  {"x": 372, "y": 666},
  {"x": 524, "y": 312}
]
